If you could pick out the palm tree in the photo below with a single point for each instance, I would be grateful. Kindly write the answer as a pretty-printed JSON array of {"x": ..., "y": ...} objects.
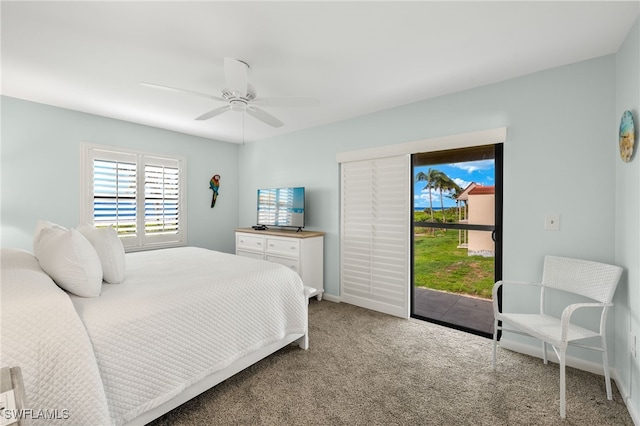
[
  {"x": 437, "y": 180},
  {"x": 430, "y": 177},
  {"x": 446, "y": 184}
]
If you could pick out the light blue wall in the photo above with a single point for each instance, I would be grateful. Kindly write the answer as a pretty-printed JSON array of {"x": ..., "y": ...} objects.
[
  {"x": 560, "y": 156},
  {"x": 41, "y": 170},
  {"x": 627, "y": 233},
  {"x": 557, "y": 159}
]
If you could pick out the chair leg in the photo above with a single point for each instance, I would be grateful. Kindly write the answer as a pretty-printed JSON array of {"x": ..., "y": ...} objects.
[
  {"x": 544, "y": 352},
  {"x": 495, "y": 341},
  {"x": 605, "y": 365},
  {"x": 563, "y": 384}
]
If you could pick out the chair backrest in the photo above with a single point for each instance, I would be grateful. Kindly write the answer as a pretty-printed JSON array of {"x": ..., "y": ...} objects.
[{"x": 594, "y": 280}]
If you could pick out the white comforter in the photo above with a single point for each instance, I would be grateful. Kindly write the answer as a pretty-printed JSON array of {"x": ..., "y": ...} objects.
[
  {"x": 41, "y": 333},
  {"x": 182, "y": 314}
]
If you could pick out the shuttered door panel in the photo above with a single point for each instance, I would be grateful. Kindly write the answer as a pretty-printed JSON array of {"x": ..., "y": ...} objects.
[
  {"x": 356, "y": 231},
  {"x": 375, "y": 234}
]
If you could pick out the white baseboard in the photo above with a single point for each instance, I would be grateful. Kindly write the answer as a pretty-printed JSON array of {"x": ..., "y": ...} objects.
[
  {"x": 536, "y": 351},
  {"x": 633, "y": 411},
  {"x": 580, "y": 364},
  {"x": 635, "y": 415},
  {"x": 330, "y": 298}
]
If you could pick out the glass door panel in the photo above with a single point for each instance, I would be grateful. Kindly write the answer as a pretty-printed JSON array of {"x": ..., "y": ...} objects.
[{"x": 456, "y": 252}]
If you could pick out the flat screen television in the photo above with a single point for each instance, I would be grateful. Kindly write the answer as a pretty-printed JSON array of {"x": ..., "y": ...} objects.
[{"x": 281, "y": 207}]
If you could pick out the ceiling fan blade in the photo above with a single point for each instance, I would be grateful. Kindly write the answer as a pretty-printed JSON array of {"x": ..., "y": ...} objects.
[
  {"x": 235, "y": 72},
  {"x": 264, "y": 116},
  {"x": 214, "y": 112},
  {"x": 286, "y": 102},
  {"x": 174, "y": 89}
]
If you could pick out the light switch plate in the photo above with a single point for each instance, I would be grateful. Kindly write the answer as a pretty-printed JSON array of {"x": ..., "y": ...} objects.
[{"x": 552, "y": 222}]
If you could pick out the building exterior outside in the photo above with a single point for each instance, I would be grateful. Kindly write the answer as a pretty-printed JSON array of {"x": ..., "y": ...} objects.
[{"x": 476, "y": 206}]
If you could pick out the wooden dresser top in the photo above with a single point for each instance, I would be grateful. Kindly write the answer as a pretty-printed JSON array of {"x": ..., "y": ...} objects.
[{"x": 282, "y": 232}]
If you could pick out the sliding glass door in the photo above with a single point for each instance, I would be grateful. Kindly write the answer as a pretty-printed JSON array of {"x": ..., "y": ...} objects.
[{"x": 456, "y": 236}]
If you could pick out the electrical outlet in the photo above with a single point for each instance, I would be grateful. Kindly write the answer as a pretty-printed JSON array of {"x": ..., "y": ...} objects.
[{"x": 632, "y": 344}]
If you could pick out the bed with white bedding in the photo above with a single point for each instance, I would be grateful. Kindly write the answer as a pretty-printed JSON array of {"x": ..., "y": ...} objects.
[{"x": 183, "y": 320}]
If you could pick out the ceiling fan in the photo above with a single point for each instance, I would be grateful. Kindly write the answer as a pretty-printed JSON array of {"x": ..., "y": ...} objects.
[{"x": 239, "y": 95}]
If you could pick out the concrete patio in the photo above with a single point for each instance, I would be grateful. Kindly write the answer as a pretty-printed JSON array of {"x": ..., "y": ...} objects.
[{"x": 458, "y": 310}]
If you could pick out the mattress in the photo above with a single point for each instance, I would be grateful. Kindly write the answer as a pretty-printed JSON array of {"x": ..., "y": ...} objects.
[{"x": 182, "y": 314}]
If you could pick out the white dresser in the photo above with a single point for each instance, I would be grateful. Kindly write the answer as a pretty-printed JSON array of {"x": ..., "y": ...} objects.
[{"x": 301, "y": 251}]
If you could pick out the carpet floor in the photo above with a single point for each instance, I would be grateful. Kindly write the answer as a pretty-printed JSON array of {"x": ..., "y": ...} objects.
[{"x": 367, "y": 368}]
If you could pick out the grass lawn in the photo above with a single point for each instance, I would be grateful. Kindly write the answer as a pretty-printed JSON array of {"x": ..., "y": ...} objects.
[{"x": 440, "y": 265}]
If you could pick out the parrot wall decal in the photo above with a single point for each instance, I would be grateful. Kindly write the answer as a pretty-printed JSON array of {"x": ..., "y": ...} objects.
[{"x": 214, "y": 183}]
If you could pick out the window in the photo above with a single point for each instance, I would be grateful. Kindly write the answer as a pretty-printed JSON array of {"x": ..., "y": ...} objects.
[{"x": 141, "y": 195}]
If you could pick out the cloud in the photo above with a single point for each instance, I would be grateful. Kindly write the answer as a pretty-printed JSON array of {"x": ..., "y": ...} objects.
[
  {"x": 461, "y": 182},
  {"x": 422, "y": 199},
  {"x": 473, "y": 166}
]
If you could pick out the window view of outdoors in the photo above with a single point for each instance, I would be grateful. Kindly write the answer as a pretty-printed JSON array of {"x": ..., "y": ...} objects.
[{"x": 456, "y": 260}]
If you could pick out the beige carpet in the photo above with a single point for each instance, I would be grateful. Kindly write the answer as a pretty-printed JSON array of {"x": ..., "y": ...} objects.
[{"x": 366, "y": 368}]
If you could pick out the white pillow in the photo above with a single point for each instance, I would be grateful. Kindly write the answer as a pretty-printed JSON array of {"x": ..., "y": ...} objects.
[
  {"x": 70, "y": 260},
  {"x": 40, "y": 226},
  {"x": 110, "y": 251}
]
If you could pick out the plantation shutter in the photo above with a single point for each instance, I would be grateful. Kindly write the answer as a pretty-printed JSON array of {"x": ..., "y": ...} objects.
[
  {"x": 140, "y": 195},
  {"x": 114, "y": 194},
  {"x": 161, "y": 197},
  {"x": 375, "y": 226}
]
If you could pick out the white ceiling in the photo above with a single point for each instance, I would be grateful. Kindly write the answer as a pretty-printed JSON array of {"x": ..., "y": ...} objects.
[{"x": 356, "y": 57}]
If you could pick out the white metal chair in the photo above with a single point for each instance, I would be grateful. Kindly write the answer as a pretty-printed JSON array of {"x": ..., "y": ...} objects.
[{"x": 591, "y": 280}]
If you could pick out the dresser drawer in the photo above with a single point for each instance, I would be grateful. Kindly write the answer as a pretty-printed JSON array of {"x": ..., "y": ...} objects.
[
  {"x": 251, "y": 254},
  {"x": 301, "y": 252},
  {"x": 292, "y": 264},
  {"x": 287, "y": 247},
  {"x": 249, "y": 242}
]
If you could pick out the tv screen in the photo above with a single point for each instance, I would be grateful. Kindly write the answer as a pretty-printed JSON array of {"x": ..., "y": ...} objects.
[{"x": 281, "y": 207}]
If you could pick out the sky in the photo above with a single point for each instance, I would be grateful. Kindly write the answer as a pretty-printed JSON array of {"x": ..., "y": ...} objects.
[{"x": 481, "y": 172}]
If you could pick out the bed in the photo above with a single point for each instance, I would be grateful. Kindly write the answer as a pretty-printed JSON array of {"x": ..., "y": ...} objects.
[{"x": 182, "y": 321}]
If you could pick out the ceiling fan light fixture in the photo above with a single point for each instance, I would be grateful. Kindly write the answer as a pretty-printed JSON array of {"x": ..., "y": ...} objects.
[{"x": 237, "y": 105}]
